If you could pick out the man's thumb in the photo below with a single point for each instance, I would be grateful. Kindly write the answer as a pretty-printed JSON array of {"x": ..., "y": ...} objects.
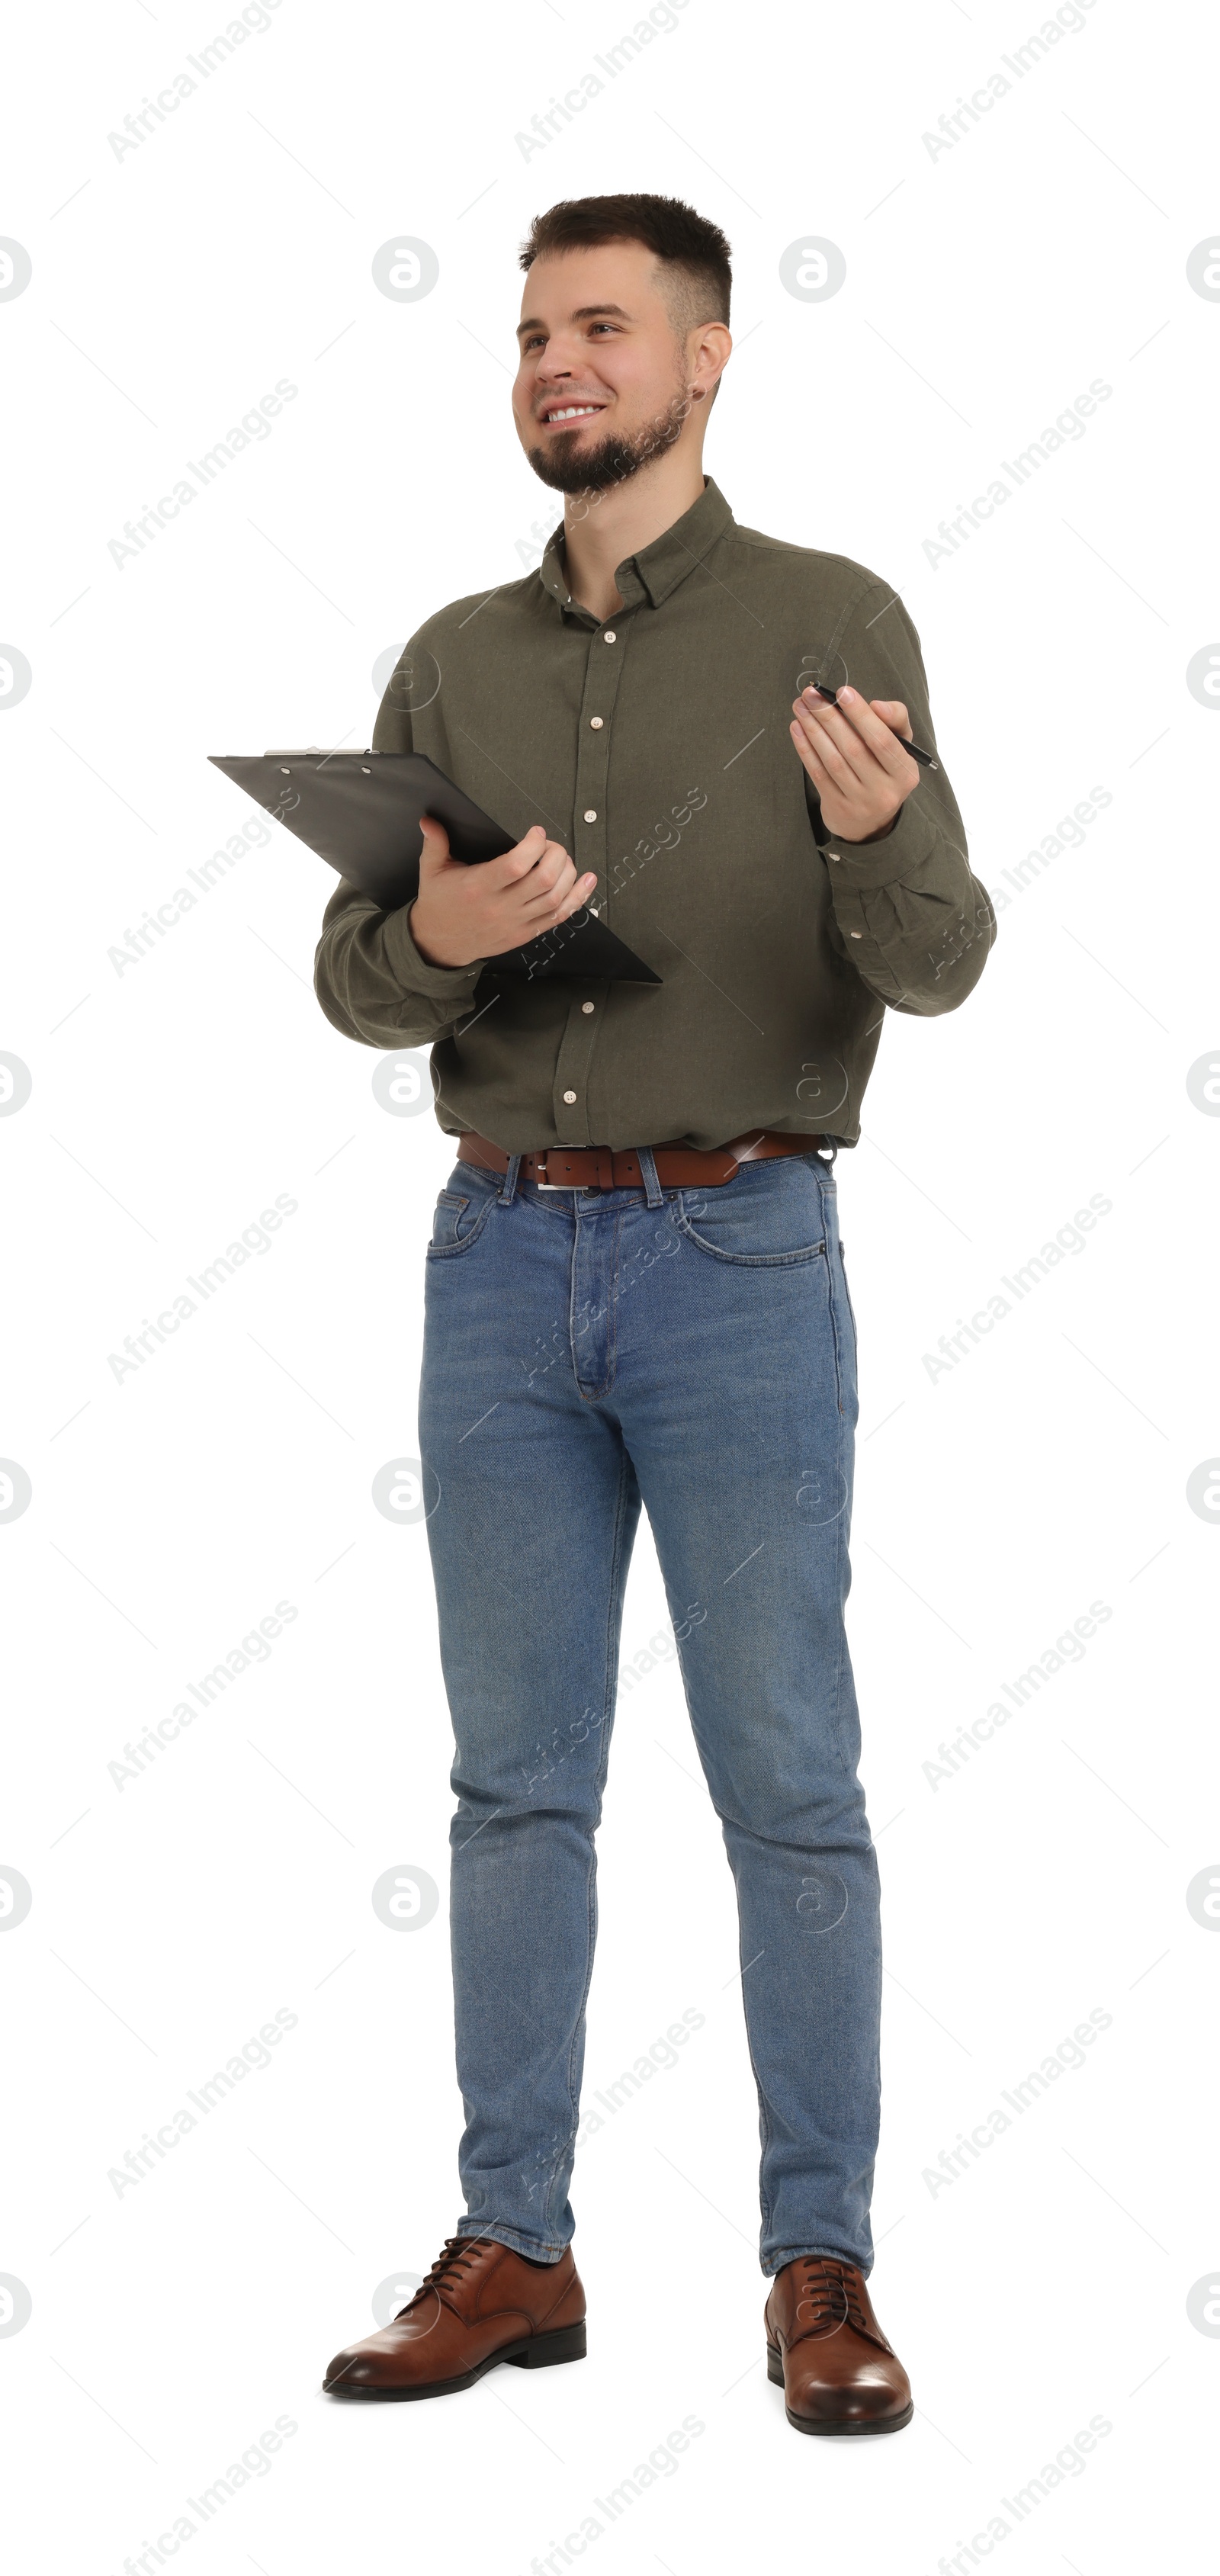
[{"x": 435, "y": 850}]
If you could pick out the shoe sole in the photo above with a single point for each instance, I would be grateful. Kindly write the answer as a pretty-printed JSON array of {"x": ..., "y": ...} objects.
[
  {"x": 536, "y": 2352},
  {"x": 807, "y": 2424}
]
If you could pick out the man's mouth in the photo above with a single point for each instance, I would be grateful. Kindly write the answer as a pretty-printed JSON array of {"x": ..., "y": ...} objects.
[{"x": 566, "y": 415}]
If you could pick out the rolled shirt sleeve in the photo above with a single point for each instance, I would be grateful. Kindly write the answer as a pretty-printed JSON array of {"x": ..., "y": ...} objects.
[
  {"x": 369, "y": 976},
  {"x": 914, "y": 921},
  {"x": 372, "y": 982}
]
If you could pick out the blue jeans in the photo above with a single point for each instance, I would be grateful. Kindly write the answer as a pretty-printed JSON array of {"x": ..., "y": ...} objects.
[{"x": 694, "y": 1349}]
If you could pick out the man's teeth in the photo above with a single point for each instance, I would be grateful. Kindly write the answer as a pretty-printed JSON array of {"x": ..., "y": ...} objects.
[{"x": 575, "y": 411}]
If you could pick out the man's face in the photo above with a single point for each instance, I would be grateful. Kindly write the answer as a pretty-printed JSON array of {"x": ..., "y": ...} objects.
[{"x": 601, "y": 386}]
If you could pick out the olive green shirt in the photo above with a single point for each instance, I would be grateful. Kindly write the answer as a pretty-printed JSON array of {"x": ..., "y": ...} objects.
[{"x": 654, "y": 744}]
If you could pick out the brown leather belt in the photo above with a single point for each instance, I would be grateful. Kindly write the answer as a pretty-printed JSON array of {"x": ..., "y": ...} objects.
[{"x": 599, "y": 1167}]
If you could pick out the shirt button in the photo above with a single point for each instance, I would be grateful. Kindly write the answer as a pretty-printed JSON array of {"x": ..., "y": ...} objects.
[
  {"x": 833, "y": 854},
  {"x": 857, "y": 934},
  {"x": 587, "y": 1006},
  {"x": 596, "y": 722},
  {"x": 590, "y": 813},
  {"x": 609, "y": 637},
  {"x": 569, "y": 1096}
]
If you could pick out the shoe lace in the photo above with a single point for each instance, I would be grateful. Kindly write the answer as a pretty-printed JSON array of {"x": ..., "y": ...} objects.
[
  {"x": 830, "y": 2296},
  {"x": 457, "y": 2253}
]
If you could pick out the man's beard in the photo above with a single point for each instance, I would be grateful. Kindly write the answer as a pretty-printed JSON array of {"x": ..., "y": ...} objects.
[{"x": 569, "y": 468}]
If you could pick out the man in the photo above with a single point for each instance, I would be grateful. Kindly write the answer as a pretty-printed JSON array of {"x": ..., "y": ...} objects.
[{"x": 635, "y": 1288}]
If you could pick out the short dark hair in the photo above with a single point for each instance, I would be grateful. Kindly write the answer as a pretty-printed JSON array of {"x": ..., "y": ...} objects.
[{"x": 686, "y": 243}]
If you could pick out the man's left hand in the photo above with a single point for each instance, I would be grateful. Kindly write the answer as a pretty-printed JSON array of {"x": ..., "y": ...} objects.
[{"x": 853, "y": 753}]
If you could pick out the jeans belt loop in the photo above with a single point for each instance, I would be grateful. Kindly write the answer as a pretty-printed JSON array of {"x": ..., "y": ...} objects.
[
  {"x": 653, "y": 1192},
  {"x": 508, "y": 1185}
]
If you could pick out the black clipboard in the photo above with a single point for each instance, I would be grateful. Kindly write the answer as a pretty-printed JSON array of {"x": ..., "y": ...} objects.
[{"x": 360, "y": 811}]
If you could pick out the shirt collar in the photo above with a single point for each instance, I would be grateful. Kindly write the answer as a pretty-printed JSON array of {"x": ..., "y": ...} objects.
[{"x": 657, "y": 569}]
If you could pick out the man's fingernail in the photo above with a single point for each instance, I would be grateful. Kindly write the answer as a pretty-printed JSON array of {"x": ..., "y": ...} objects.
[{"x": 847, "y": 693}]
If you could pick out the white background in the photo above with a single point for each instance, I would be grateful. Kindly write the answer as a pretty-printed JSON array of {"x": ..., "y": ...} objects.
[{"x": 174, "y": 1914}]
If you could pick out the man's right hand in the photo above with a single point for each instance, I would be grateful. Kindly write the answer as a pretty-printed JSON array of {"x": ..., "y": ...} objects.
[{"x": 461, "y": 913}]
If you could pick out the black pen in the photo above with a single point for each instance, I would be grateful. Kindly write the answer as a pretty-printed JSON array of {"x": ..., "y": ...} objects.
[{"x": 923, "y": 757}]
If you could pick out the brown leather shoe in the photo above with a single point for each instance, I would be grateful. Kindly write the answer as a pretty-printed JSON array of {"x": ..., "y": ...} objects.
[
  {"x": 479, "y": 2304},
  {"x": 838, "y": 2372}
]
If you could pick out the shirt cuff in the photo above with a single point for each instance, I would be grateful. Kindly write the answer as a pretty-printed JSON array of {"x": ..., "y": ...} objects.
[
  {"x": 414, "y": 973},
  {"x": 864, "y": 865}
]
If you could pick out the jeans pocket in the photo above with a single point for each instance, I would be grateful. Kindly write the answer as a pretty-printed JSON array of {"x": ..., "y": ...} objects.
[
  {"x": 458, "y": 1220},
  {"x": 850, "y": 1308},
  {"x": 769, "y": 1214}
]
